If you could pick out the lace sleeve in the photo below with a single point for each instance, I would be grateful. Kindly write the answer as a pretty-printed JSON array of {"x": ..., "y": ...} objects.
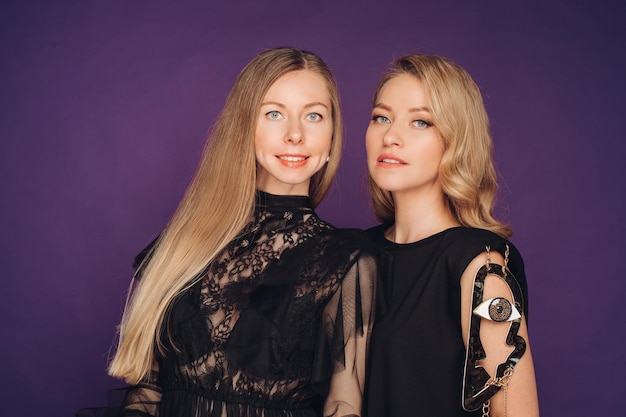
[
  {"x": 348, "y": 319},
  {"x": 142, "y": 400}
]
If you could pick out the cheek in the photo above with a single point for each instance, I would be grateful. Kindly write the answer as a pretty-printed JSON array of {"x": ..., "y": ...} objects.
[
  {"x": 265, "y": 138},
  {"x": 439, "y": 152},
  {"x": 258, "y": 135},
  {"x": 370, "y": 145},
  {"x": 434, "y": 161},
  {"x": 324, "y": 139},
  {"x": 329, "y": 145}
]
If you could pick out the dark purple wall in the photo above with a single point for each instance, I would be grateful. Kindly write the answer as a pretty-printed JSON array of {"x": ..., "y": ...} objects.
[{"x": 105, "y": 106}]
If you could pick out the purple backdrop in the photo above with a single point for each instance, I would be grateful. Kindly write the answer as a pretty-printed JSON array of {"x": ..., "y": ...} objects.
[{"x": 105, "y": 106}]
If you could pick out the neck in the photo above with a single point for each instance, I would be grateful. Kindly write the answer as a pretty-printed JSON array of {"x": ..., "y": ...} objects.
[{"x": 418, "y": 217}]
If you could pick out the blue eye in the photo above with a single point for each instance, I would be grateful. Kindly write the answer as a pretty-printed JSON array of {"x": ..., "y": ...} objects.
[
  {"x": 273, "y": 115},
  {"x": 381, "y": 119},
  {"x": 497, "y": 309},
  {"x": 421, "y": 124},
  {"x": 314, "y": 117}
]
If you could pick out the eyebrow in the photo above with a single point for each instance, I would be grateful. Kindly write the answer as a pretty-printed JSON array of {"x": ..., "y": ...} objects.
[
  {"x": 412, "y": 109},
  {"x": 306, "y": 106}
]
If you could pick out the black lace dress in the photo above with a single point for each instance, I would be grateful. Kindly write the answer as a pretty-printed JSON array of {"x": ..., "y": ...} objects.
[{"x": 285, "y": 309}]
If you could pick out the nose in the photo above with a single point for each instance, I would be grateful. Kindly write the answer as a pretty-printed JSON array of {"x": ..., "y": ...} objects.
[
  {"x": 295, "y": 133},
  {"x": 392, "y": 137}
]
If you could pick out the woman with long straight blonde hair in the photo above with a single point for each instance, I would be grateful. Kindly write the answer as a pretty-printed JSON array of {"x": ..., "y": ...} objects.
[
  {"x": 248, "y": 304},
  {"x": 453, "y": 340}
]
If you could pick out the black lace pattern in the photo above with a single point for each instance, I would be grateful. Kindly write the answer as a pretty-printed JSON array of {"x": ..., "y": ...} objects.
[{"x": 265, "y": 328}]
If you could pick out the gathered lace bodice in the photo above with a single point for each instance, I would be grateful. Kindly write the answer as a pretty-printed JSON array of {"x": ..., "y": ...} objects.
[{"x": 283, "y": 308}]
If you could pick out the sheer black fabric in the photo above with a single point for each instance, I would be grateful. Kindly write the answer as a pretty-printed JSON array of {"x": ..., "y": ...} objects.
[
  {"x": 285, "y": 307},
  {"x": 417, "y": 350}
]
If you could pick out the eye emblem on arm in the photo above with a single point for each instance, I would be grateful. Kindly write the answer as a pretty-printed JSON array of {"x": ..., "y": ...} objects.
[
  {"x": 478, "y": 384},
  {"x": 497, "y": 309}
]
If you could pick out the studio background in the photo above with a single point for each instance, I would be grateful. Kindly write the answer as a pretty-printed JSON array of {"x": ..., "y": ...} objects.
[{"x": 105, "y": 106}]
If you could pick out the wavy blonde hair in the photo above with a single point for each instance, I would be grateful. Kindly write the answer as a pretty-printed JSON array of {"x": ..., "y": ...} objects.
[
  {"x": 215, "y": 208},
  {"x": 467, "y": 173}
]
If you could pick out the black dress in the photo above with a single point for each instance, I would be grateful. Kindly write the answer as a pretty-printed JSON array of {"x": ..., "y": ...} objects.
[
  {"x": 417, "y": 351},
  {"x": 264, "y": 328}
]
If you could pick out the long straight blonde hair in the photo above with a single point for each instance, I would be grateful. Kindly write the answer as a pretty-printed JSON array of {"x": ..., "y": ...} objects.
[
  {"x": 215, "y": 208},
  {"x": 467, "y": 173}
]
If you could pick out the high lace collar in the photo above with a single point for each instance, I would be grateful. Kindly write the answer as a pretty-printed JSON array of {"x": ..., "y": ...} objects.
[{"x": 273, "y": 202}]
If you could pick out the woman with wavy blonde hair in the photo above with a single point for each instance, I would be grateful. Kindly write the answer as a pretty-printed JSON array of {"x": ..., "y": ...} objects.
[
  {"x": 453, "y": 340},
  {"x": 225, "y": 316}
]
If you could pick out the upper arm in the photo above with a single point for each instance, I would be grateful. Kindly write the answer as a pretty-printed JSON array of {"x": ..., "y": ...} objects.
[
  {"x": 353, "y": 304},
  {"x": 521, "y": 392}
]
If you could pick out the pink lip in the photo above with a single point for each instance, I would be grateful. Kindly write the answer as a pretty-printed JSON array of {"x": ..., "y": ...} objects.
[
  {"x": 389, "y": 161},
  {"x": 292, "y": 160}
]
